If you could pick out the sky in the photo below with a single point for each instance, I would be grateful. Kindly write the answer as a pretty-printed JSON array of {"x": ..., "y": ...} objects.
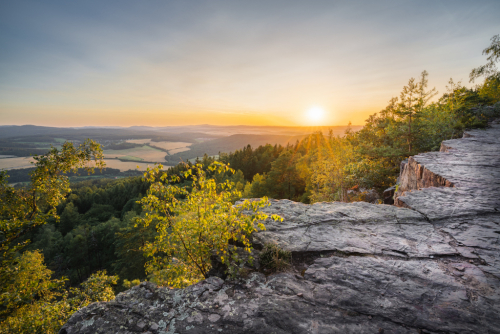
[{"x": 164, "y": 63}]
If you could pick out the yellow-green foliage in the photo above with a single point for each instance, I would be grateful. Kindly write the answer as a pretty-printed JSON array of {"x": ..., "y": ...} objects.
[
  {"x": 32, "y": 302},
  {"x": 491, "y": 89},
  {"x": 26, "y": 280},
  {"x": 25, "y": 208},
  {"x": 193, "y": 229},
  {"x": 96, "y": 288},
  {"x": 128, "y": 284}
]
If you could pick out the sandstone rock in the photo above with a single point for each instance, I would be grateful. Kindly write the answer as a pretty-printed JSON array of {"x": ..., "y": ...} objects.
[{"x": 430, "y": 266}]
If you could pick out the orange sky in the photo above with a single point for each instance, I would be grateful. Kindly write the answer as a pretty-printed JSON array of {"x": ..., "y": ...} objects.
[{"x": 221, "y": 62}]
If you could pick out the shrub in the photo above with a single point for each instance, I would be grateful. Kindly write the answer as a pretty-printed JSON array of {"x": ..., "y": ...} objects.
[{"x": 192, "y": 229}]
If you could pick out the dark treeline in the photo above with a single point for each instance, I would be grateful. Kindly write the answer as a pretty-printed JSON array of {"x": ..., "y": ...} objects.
[
  {"x": 95, "y": 231},
  {"x": 23, "y": 175}
]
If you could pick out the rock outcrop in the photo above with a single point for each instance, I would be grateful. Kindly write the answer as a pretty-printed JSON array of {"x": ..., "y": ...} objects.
[{"x": 431, "y": 265}]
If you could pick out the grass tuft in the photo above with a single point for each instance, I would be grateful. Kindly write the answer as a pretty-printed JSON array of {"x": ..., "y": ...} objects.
[{"x": 274, "y": 258}]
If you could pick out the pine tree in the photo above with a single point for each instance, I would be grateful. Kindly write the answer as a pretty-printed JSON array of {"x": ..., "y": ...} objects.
[{"x": 412, "y": 101}]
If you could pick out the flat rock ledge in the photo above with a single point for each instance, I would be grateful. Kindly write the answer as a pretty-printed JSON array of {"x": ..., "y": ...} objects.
[{"x": 431, "y": 265}]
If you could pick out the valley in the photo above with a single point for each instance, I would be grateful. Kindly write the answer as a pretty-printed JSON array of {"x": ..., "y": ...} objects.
[{"x": 136, "y": 148}]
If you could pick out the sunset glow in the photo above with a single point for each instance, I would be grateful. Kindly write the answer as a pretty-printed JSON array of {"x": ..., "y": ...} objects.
[
  {"x": 315, "y": 115},
  {"x": 165, "y": 63}
]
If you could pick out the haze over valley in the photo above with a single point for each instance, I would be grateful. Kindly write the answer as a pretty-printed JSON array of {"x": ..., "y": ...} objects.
[{"x": 135, "y": 148}]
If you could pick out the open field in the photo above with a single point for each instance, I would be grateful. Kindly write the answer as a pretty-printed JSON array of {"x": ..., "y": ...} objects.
[
  {"x": 146, "y": 153},
  {"x": 127, "y": 165},
  {"x": 178, "y": 150},
  {"x": 130, "y": 158},
  {"x": 139, "y": 141},
  {"x": 16, "y": 163},
  {"x": 170, "y": 146}
]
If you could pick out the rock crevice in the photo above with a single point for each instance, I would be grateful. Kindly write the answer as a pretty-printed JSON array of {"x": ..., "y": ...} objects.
[{"x": 431, "y": 265}]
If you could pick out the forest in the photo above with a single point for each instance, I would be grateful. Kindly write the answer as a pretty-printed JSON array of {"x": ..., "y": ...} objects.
[{"x": 66, "y": 244}]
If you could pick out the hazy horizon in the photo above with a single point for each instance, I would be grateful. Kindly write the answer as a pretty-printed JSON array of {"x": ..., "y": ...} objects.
[
  {"x": 157, "y": 63},
  {"x": 188, "y": 125}
]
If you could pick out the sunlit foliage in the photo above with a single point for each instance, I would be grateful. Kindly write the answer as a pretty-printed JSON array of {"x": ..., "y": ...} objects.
[
  {"x": 23, "y": 209},
  {"x": 33, "y": 302},
  {"x": 30, "y": 300},
  {"x": 203, "y": 224}
]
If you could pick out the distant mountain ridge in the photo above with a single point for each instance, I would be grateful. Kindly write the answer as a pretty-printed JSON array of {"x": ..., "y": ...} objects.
[{"x": 140, "y": 132}]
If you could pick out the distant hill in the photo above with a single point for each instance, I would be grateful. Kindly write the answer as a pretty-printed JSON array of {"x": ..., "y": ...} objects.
[
  {"x": 179, "y": 133},
  {"x": 32, "y": 133},
  {"x": 24, "y": 140}
]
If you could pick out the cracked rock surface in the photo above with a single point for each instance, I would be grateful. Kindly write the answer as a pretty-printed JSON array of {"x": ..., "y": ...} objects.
[{"x": 431, "y": 265}]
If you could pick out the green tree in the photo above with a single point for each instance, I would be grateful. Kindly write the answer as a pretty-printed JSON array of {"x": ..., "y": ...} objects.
[
  {"x": 491, "y": 86},
  {"x": 23, "y": 209},
  {"x": 202, "y": 225},
  {"x": 412, "y": 101},
  {"x": 129, "y": 243},
  {"x": 329, "y": 180},
  {"x": 285, "y": 178},
  {"x": 489, "y": 70},
  {"x": 69, "y": 218},
  {"x": 490, "y": 89},
  {"x": 257, "y": 188}
]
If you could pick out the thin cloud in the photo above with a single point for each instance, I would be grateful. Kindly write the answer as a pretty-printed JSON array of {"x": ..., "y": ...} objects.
[{"x": 210, "y": 59}]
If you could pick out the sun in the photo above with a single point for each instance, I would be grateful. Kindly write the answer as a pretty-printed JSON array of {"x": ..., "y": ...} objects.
[{"x": 315, "y": 114}]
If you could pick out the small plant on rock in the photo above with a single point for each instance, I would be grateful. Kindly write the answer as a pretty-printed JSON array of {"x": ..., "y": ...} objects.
[
  {"x": 274, "y": 258},
  {"x": 128, "y": 284}
]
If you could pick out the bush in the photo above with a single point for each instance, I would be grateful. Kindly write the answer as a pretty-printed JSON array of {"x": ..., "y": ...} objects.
[{"x": 192, "y": 230}]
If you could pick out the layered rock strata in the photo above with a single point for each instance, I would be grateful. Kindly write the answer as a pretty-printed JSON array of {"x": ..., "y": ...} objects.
[{"x": 431, "y": 266}]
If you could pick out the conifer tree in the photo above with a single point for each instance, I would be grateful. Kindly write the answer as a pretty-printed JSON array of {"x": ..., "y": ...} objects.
[{"x": 412, "y": 101}]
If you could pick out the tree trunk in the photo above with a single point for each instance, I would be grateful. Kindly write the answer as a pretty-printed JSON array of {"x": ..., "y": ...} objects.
[{"x": 409, "y": 136}]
